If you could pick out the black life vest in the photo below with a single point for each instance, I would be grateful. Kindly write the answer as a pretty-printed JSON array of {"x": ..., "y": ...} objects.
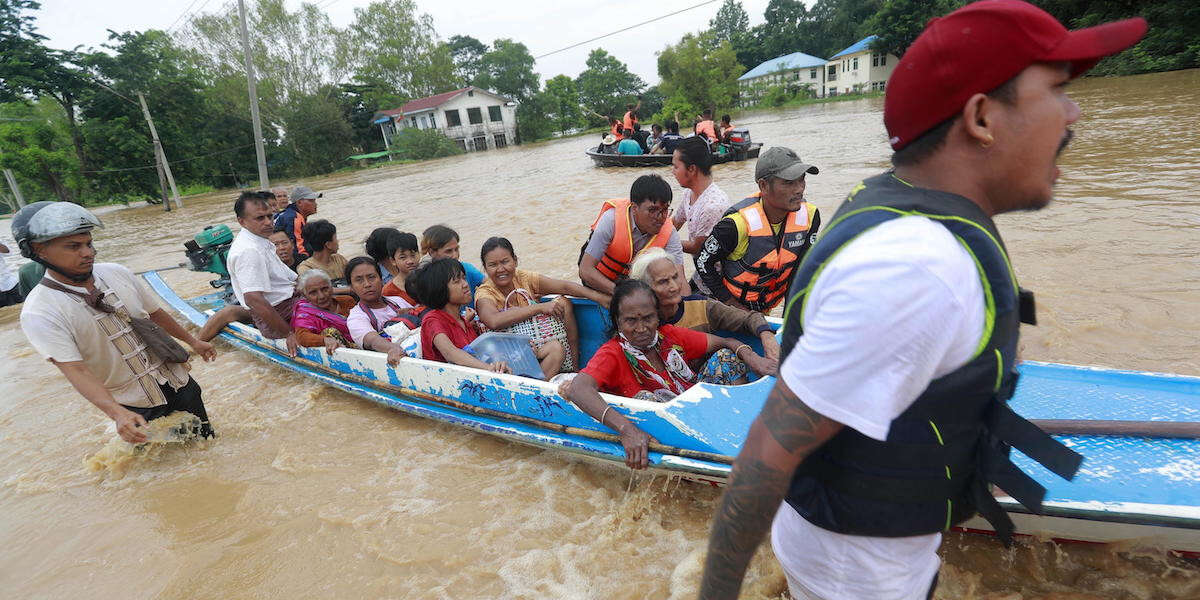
[{"x": 933, "y": 470}]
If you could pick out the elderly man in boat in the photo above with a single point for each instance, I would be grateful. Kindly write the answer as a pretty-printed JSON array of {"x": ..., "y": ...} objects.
[{"x": 890, "y": 415}]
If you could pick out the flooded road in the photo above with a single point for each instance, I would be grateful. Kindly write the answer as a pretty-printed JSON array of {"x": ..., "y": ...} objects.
[{"x": 313, "y": 493}]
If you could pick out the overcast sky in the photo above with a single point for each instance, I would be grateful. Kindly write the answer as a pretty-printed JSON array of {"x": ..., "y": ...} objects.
[{"x": 543, "y": 26}]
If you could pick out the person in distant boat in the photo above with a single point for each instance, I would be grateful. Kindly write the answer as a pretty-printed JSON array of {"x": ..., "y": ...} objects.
[
  {"x": 704, "y": 203},
  {"x": 724, "y": 128},
  {"x": 626, "y": 227},
  {"x": 751, "y": 253},
  {"x": 629, "y": 145},
  {"x": 261, "y": 282},
  {"x": 700, "y": 313},
  {"x": 322, "y": 239},
  {"x": 615, "y": 128},
  {"x": 501, "y": 303},
  {"x": 403, "y": 249},
  {"x": 630, "y": 121},
  {"x": 78, "y": 318},
  {"x": 706, "y": 128},
  {"x": 644, "y": 359},
  {"x": 375, "y": 313},
  {"x": 671, "y": 139},
  {"x": 653, "y": 140},
  {"x": 439, "y": 241},
  {"x": 890, "y": 418},
  {"x": 446, "y": 330},
  {"x": 10, "y": 283},
  {"x": 376, "y": 246},
  {"x": 608, "y": 144},
  {"x": 284, "y": 248},
  {"x": 293, "y": 217},
  {"x": 320, "y": 317},
  {"x": 280, "y": 201}
]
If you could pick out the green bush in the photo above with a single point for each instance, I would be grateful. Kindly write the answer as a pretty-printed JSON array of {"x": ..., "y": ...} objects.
[
  {"x": 776, "y": 95},
  {"x": 421, "y": 144}
]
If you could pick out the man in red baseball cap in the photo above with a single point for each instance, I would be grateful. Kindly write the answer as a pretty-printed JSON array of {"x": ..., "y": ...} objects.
[{"x": 889, "y": 421}]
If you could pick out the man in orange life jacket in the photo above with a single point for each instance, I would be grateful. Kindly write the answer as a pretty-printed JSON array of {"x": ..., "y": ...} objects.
[
  {"x": 750, "y": 256},
  {"x": 706, "y": 127},
  {"x": 626, "y": 227}
]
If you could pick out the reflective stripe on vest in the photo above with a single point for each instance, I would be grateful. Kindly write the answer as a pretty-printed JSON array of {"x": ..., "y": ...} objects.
[
  {"x": 619, "y": 254},
  {"x": 941, "y": 453},
  {"x": 761, "y": 276}
]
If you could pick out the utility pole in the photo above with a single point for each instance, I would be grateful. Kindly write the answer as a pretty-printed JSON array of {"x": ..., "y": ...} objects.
[
  {"x": 263, "y": 181},
  {"x": 12, "y": 184},
  {"x": 386, "y": 146},
  {"x": 160, "y": 157}
]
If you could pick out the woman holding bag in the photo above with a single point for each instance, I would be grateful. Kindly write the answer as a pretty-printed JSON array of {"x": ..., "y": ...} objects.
[{"x": 509, "y": 296}]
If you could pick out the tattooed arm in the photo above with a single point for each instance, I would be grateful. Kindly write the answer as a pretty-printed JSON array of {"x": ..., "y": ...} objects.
[{"x": 785, "y": 432}]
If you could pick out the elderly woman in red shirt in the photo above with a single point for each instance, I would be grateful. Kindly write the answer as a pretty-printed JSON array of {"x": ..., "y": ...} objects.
[{"x": 643, "y": 360}]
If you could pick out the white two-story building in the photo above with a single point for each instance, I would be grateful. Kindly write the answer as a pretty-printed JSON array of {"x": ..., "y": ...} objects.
[
  {"x": 858, "y": 69},
  {"x": 791, "y": 71},
  {"x": 474, "y": 118}
]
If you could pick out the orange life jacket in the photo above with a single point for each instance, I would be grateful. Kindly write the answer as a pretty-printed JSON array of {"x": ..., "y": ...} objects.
[
  {"x": 616, "y": 131},
  {"x": 619, "y": 254},
  {"x": 706, "y": 128},
  {"x": 630, "y": 121},
  {"x": 760, "y": 278}
]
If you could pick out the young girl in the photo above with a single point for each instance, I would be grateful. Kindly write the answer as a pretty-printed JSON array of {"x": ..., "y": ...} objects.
[
  {"x": 376, "y": 247},
  {"x": 374, "y": 311},
  {"x": 402, "y": 248},
  {"x": 439, "y": 241}
]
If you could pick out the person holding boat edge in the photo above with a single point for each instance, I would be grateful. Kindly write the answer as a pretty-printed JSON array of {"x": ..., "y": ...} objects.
[
  {"x": 79, "y": 318},
  {"x": 626, "y": 227},
  {"x": 748, "y": 258},
  {"x": 890, "y": 417}
]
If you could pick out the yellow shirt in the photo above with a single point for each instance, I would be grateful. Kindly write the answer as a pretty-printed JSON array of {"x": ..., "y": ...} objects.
[
  {"x": 335, "y": 268},
  {"x": 522, "y": 279}
]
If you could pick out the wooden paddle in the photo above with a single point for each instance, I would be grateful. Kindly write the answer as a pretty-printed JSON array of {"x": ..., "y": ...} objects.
[{"x": 1149, "y": 429}]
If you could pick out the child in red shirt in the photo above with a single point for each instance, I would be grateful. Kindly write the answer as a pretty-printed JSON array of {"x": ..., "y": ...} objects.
[{"x": 442, "y": 286}]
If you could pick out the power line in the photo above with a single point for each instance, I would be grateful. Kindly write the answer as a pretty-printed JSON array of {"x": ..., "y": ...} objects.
[
  {"x": 634, "y": 26},
  {"x": 184, "y": 14}
]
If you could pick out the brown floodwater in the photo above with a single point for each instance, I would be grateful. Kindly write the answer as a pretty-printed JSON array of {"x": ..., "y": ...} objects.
[{"x": 311, "y": 492}]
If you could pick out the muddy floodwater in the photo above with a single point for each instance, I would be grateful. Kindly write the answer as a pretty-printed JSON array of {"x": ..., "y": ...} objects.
[{"x": 314, "y": 493}]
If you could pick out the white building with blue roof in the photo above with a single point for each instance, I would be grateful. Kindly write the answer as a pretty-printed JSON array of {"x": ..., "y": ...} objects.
[
  {"x": 792, "y": 71},
  {"x": 858, "y": 69}
]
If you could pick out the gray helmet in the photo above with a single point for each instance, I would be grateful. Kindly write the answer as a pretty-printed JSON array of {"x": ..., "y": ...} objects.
[{"x": 43, "y": 221}]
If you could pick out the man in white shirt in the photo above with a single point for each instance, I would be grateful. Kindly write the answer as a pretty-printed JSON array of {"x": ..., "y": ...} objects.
[
  {"x": 261, "y": 282},
  {"x": 889, "y": 333},
  {"x": 78, "y": 319}
]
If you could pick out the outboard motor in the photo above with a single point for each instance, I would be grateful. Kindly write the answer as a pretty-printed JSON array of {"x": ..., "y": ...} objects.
[
  {"x": 739, "y": 142},
  {"x": 209, "y": 253}
]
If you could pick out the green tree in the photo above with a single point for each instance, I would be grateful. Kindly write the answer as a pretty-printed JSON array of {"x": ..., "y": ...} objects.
[
  {"x": 698, "y": 74},
  {"x": 533, "y": 120},
  {"x": 393, "y": 44},
  {"x": 411, "y": 143},
  {"x": 36, "y": 146},
  {"x": 606, "y": 86},
  {"x": 731, "y": 22},
  {"x": 563, "y": 101},
  {"x": 317, "y": 137},
  {"x": 467, "y": 54},
  {"x": 507, "y": 69},
  {"x": 899, "y": 22}
]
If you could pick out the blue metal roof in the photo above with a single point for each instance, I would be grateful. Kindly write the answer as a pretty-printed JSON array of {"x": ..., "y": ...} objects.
[
  {"x": 860, "y": 46},
  {"x": 787, "y": 62}
]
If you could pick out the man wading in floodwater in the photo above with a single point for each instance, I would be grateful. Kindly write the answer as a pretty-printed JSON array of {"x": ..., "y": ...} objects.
[
  {"x": 889, "y": 417},
  {"x": 78, "y": 317}
]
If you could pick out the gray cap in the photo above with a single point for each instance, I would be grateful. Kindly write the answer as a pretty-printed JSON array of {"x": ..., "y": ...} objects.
[
  {"x": 782, "y": 163},
  {"x": 46, "y": 220},
  {"x": 301, "y": 192}
]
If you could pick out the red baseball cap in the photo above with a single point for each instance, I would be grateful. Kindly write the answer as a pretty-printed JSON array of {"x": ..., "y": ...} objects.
[{"x": 979, "y": 47}]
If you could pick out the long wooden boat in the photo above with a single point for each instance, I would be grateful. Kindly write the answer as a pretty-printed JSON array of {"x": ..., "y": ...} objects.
[
  {"x": 663, "y": 160},
  {"x": 1144, "y": 490}
]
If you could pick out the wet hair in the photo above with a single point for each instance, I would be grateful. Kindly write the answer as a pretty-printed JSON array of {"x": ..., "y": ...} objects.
[
  {"x": 724, "y": 118},
  {"x": 376, "y": 244},
  {"x": 673, "y": 126},
  {"x": 656, "y": 127},
  {"x": 642, "y": 263},
  {"x": 495, "y": 242},
  {"x": 627, "y": 132},
  {"x": 650, "y": 187},
  {"x": 625, "y": 288},
  {"x": 360, "y": 260},
  {"x": 428, "y": 283},
  {"x": 248, "y": 197},
  {"x": 318, "y": 233},
  {"x": 707, "y": 114},
  {"x": 923, "y": 147},
  {"x": 694, "y": 151},
  {"x": 401, "y": 240},
  {"x": 280, "y": 229},
  {"x": 303, "y": 279},
  {"x": 437, "y": 236}
]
